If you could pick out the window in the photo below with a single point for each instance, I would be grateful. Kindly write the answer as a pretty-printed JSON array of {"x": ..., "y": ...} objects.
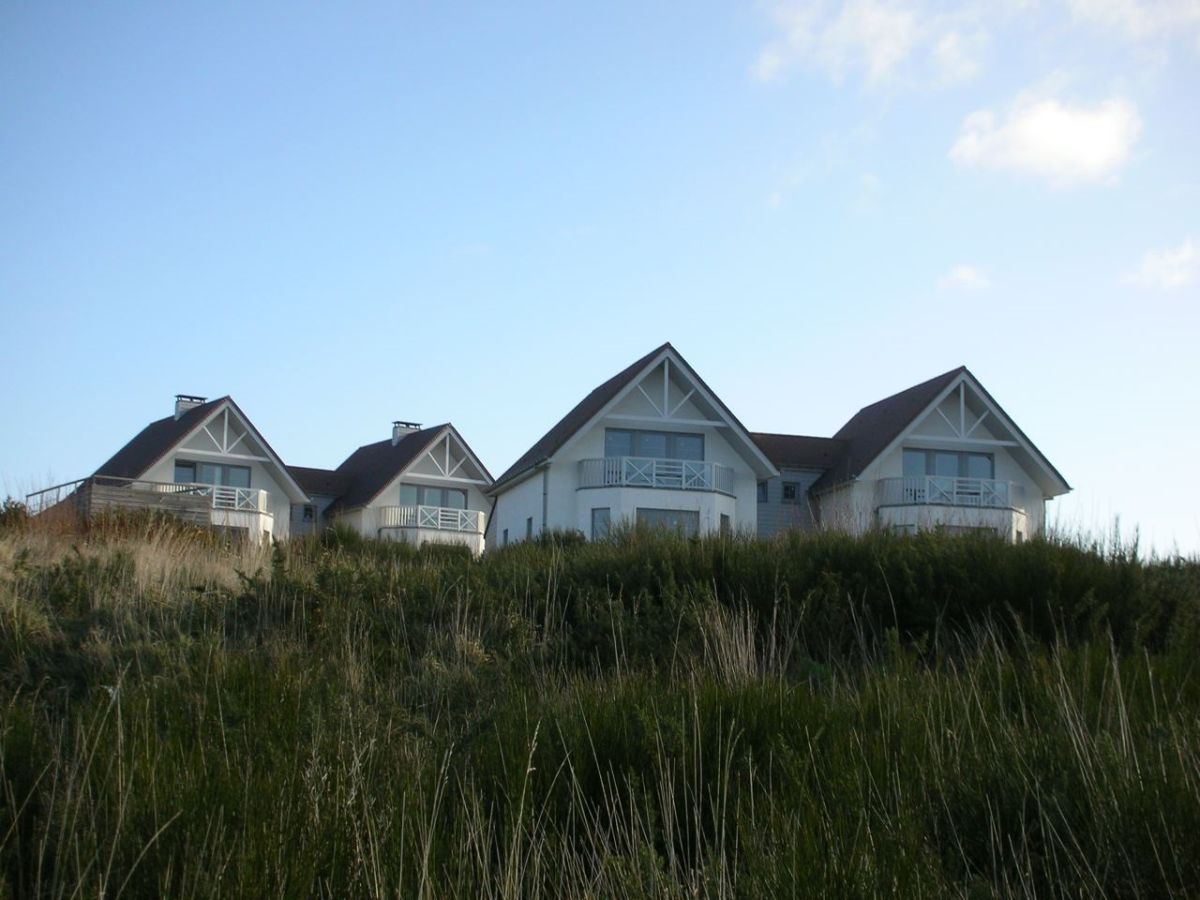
[
  {"x": 949, "y": 464},
  {"x": 212, "y": 473},
  {"x": 529, "y": 528},
  {"x": 504, "y": 542},
  {"x": 726, "y": 526},
  {"x": 685, "y": 521},
  {"x": 600, "y": 522},
  {"x": 791, "y": 492},
  {"x": 308, "y": 514},
  {"x": 653, "y": 444},
  {"x": 423, "y": 495},
  {"x": 762, "y": 492}
]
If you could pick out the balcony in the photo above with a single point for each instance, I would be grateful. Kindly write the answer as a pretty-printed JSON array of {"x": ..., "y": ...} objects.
[
  {"x": 201, "y": 504},
  {"x": 437, "y": 518},
  {"x": 670, "y": 474},
  {"x": 943, "y": 490}
]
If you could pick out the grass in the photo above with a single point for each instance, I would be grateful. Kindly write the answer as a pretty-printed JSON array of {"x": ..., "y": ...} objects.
[{"x": 649, "y": 717}]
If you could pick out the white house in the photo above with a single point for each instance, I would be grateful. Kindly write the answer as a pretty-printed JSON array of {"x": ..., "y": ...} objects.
[
  {"x": 653, "y": 444},
  {"x": 206, "y": 463},
  {"x": 424, "y": 485},
  {"x": 942, "y": 454}
]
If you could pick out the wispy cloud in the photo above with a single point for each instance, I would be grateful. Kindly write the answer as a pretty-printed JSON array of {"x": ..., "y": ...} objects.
[
  {"x": 1168, "y": 269},
  {"x": 1046, "y": 138},
  {"x": 1141, "y": 20},
  {"x": 964, "y": 277},
  {"x": 873, "y": 39}
]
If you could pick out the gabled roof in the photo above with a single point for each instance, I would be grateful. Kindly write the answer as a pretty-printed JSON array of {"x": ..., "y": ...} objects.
[
  {"x": 158, "y": 438},
  {"x": 325, "y": 482},
  {"x": 370, "y": 468},
  {"x": 874, "y": 427},
  {"x": 595, "y": 402},
  {"x": 155, "y": 441},
  {"x": 584, "y": 411},
  {"x": 798, "y": 451}
]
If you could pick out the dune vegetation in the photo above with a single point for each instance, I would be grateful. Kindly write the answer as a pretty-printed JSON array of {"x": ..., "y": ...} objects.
[{"x": 645, "y": 717}]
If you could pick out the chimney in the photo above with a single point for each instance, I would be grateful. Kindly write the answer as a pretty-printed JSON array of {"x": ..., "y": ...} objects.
[
  {"x": 401, "y": 429},
  {"x": 184, "y": 402}
]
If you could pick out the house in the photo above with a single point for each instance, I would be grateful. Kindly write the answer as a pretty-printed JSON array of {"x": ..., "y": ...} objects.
[
  {"x": 941, "y": 454},
  {"x": 424, "y": 485},
  {"x": 653, "y": 444},
  {"x": 205, "y": 463},
  {"x": 209, "y": 465}
]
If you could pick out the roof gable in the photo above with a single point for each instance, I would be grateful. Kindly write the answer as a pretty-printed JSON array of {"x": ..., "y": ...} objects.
[
  {"x": 156, "y": 440},
  {"x": 612, "y": 391},
  {"x": 371, "y": 468},
  {"x": 875, "y": 429}
]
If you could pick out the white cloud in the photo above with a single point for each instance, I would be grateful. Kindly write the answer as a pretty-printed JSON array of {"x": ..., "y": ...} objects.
[
  {"x": 1044, "y": 137},
  {"x": 1168, "y": 269},
  {"x": 1141, "y": 19},
  {"x": 964, "y": 278},
  {"x": 871, "y": 38}
]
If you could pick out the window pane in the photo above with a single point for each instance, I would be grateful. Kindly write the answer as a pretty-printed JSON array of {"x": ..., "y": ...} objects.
[
  {"x": 455, "y": 498},
  {"x": 408, "y": 495},
  {"x": 185, "y": 472},
  {"x": 689, "y": 446},
  {"x": 600, "y": 523},
  {"x": 652, "y": 444},
  {"x": 431, "y": 496},
  {"x": 208, "y": 473},
  {"x": 914, "y": 463},
  {"x": 618, "y": 442},
  {"x": 684, "y": 521},
  {"x": 979, "y": 465},
  {"x": 237, "y": 476},
  {"x": 945, "y": 464}
]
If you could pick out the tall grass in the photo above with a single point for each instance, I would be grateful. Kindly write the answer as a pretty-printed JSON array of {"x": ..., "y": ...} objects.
[{"x": 657, "y": 717}]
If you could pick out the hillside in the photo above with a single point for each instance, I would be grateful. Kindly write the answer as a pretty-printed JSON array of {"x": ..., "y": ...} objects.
[{"x": 657, "y": 717}]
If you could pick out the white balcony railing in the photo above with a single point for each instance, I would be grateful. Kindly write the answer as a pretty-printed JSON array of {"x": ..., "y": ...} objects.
[
  {"x": 441, "y": 518},
  {"x": 943, "y": 490},
  {"x": 673, "y": 474}
]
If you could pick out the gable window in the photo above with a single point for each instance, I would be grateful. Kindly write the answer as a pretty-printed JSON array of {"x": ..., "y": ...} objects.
[
  {"x": 211, "y": 473},
  {"x": 949, "y": 464},
  {"x": 653, "y": 444},
  {"x": 424, "y": 495},
  {"x": 791, "y": 492}
]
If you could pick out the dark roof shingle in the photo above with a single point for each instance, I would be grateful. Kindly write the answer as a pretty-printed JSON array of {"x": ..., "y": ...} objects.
[
  {"x": 150, "y": 444},
  {"x": 873, "y": 427},
  {"x": 325, "y": 482},
  {"x": 798, "y": 451},
  {"x": 368, "y": 469},
  {"x": 552, "y": 440}
]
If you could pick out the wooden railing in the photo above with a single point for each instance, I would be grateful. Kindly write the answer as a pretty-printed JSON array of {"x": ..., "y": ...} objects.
[
  {"x": 673, "y": 474},
  {"x": 944, "y": 490},
  {"x": 441, "y": 518},
  {"x": 237, "y": 499}
]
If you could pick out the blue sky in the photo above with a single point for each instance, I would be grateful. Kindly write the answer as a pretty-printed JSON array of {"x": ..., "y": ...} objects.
[{"x": 476, "y": 213}]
